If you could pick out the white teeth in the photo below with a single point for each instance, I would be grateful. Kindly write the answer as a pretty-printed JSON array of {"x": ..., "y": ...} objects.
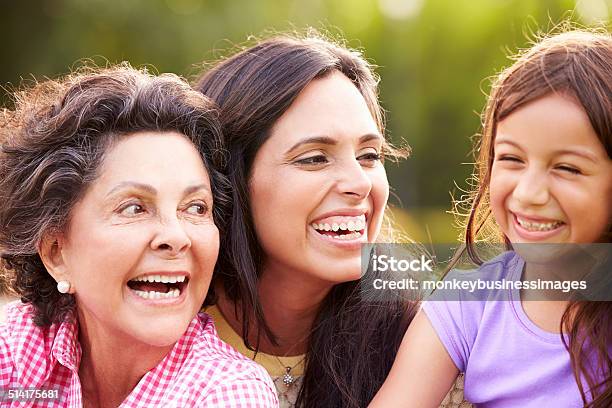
[
  {"x": 538, "y": 226},
  {"x": 174, "y": 293},
  {"x": 160, "y": 278},
  {"x": 358, "y": 224},
  {"x": 353, "y": 235}
]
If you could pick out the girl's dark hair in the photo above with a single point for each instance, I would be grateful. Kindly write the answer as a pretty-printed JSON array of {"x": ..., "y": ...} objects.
[
  {"x": 353, "y": 342},
  {"x": 53, "y": 144},
  {"x": 578, "y": 64}
]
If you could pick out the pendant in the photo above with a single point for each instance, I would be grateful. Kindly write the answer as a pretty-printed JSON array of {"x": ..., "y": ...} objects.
[{"x": 288, "y": 379}]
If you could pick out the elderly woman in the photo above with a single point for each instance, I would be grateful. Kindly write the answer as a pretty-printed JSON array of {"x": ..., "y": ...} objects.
[{"x": 111, "y": 205}]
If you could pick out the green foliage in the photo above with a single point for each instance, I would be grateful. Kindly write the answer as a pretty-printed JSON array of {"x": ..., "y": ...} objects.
[{"x": 433, "y": 55}]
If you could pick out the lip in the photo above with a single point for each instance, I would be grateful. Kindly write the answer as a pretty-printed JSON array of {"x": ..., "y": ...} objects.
[
  {"x": 160, "y": 302},
  {"x": 534, "y": 235},
  {"x": 343, "y": 212}
]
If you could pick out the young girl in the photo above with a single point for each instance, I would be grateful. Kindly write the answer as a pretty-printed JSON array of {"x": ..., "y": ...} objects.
[{"x": 545, "y": 173}]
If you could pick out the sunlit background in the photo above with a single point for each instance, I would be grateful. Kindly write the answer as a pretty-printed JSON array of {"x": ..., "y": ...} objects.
[{"x": 434, "y": 58}]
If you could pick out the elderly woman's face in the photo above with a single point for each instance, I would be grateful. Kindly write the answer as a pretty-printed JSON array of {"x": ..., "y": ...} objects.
[
  {"x": 141, "y": 244},
  {"x": 318, "y": 188}
]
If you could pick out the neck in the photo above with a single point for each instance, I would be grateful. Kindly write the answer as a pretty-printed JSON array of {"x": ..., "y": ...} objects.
[
  {"x": 564, "y": 268},
  {"x": 544, "y": 307},
  {"x": 111, "y": 366},
  {"x": 290, "y": 304}
]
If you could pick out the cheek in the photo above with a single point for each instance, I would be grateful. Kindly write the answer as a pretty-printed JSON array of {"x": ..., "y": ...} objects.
[
  {"x": 500, "y": 188},
  {"x": 589, "y": 213},
  {"x": 380, "y": 189},
  {"x": 281, "y": 206},
  {"x": 205, "y": 246},
  {"x": 379, "y": 195},
  {"x": 270, "y": 210},
  {"x": 113, "y": 250}
]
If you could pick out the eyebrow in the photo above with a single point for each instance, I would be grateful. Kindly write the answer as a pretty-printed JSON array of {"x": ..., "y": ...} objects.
[
  {"x": 326, "y": 140},
  {"x": 576, "y": 152},
  {"x": 151, "y": 190},
  {"x": 502, "y": 140},
  {"x": 579, "y": 152}
]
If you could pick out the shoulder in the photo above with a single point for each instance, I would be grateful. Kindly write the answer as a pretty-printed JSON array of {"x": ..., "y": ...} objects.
[
  {"x": 226, "y": 358},
  {"x": 19, "y": 327},
  {"x": 223, "y": 373},
  {"x": 210, "y": 346},
  {"x": 471, "y": 289},
  {"x": 459, "y": 309},
  {"x": 23, "y": 344},
  {"x": 498, "y": 268}
]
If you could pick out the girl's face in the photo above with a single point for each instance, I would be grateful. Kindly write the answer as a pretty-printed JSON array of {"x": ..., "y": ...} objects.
[
  {"x": 318, "y": 188},
  {"x": 551, "y": 180},
  {"x": 141, "y": 244}
]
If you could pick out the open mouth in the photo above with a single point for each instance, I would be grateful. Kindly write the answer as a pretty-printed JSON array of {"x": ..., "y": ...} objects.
[
  {"x": 158, "y": 286},
  {"x": 534, "y": 226},
  {"x": 342, "y": 228}
]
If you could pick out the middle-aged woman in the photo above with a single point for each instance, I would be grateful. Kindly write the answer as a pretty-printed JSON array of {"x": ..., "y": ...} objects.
[
  {"x": 110, "y": 207},
  {"x": 304, "y": 130}
]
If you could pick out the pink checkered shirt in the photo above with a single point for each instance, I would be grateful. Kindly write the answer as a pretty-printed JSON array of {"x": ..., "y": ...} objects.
[{"x": 200, "y": 370}]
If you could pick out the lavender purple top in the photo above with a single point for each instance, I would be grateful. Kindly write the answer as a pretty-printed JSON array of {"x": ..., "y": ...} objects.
[{"x": 508, "y": 361}]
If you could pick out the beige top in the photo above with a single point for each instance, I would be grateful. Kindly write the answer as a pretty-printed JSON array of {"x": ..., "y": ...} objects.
[{"x": 275, "y": 366}]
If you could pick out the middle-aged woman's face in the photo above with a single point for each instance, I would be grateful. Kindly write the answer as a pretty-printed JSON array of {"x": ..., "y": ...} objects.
[
  {"x": 141, "y": 244},
  {"x": 318, "y": 188}
]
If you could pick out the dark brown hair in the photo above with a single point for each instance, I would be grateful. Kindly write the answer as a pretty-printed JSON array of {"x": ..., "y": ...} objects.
[
  {"x": 578, "y": 64},
  {"x": 353, "y": 342},
  {"x": 53, "y": 144}
]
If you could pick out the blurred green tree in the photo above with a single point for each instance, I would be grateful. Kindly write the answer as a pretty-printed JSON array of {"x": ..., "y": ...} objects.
[{"x": 433, "y": 55}]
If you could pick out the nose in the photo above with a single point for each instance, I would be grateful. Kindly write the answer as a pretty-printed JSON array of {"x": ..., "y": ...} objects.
[
  {"x": 170, "y": 239},
  {"x": 532, "y": 188},
  {"x": 353, "y": 180}
]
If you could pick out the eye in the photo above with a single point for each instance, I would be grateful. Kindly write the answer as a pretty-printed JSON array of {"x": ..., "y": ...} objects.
[
  {"x": 370, "y": 157},
  {"x": 569, "y": 169},
  {"x": 313, "y": 160},
  {"x": 131, "y": 209},
  {"x": 508, "y": 158},
  {"x": 197, "y": 208}
]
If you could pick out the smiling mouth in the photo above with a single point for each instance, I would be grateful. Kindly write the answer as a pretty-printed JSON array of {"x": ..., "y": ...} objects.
[
  {"x": 158, "y": 286},
  {"x": 348, "y": 229},
  {"x": 538, "y": 226}
]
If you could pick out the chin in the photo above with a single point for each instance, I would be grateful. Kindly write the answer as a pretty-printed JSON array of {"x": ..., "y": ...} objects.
[
  {"x": 163, "y": 332},
  {"x": 344, "y": 272}
]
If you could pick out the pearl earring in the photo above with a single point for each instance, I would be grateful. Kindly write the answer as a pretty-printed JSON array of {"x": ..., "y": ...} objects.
[{"x": 63, "y": 286}]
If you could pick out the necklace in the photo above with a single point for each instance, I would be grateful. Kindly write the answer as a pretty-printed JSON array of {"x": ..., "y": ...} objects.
[{"x": 288, "y": 378}]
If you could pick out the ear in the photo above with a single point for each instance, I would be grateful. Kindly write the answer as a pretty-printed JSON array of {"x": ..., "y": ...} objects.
[{"x": 50, "y": 251}]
